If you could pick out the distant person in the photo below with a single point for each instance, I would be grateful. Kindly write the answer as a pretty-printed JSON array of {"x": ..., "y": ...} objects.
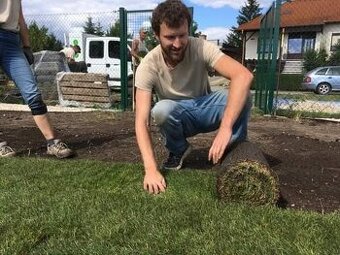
[
  {"x": 138, "y": 52},
  {"x": 70, "y": 54},
  {"x": 177, "y": 70},
  {"x": 15, "y": 59},
  {"x": 139, "y": 49}
]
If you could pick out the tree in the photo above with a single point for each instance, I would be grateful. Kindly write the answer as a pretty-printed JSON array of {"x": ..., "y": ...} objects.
[
  {"x": 89, "y": 27},
  {"x": 194, "y": 28},
  {"x": 114, "y": 31},
  {"x": 92, "y": 28},
  {"x": 248, "y": 12},
  {"x": 53, "y": 44},
  {"x": 42, "y": 40}
]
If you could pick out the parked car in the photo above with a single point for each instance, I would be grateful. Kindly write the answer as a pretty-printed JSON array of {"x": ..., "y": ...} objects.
[{"x": 322, "y": 80}]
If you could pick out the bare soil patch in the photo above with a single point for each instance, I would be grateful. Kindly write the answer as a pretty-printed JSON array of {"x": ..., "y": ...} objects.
[{"x": 305, "y": 154}]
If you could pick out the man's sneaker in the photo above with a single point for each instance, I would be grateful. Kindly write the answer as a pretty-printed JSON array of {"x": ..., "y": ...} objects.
[
  {"x": 6, "y": 151},
  {"x": 59, "y": 149},
  {"x": 175, "y": 162}
]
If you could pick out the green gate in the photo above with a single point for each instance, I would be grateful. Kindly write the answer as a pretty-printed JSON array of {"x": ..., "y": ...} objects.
[{"x": 268, "y": 47}]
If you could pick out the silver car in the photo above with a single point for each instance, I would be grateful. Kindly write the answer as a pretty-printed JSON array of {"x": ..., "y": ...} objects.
[{"x": 322, "y": 80}]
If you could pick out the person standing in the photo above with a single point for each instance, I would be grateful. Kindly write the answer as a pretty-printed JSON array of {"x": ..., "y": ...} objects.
[
  {"x": 139, "y": 49},
  {"x": 177, "y": 70},
  {"x": 138, "y": 52},
  {"x": 15, "y": 59}
]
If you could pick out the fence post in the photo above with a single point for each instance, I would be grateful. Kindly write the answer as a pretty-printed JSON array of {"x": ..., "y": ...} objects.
[
  {"x": 267, "y": 58},
  {"x": 276, "y": 36},
  {"x": 123, "y": 58}
]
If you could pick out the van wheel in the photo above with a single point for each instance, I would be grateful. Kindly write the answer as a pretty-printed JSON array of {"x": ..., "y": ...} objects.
[{"x": 323, "y": 88}]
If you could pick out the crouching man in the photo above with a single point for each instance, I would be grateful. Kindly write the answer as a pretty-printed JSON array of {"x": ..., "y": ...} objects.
[{"x": 177, "y": 70}]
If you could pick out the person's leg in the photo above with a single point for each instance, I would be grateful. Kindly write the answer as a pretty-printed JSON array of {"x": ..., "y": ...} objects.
[
  {"x": 73, "y": 67},
  {"x": 82, "y": 66},
  {"x": 45, "y": 126},
  {"x": 5, "y": 150},
  {"x": 167, "y": 116},
  {"x": 185, "y": 118},
  {"x": 17, "y": 68}
]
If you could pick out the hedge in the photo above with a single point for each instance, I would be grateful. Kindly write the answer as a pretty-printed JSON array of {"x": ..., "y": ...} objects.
[{"x": 288, "y": 82}]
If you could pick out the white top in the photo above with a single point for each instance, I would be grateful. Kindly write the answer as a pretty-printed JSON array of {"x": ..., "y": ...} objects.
[
  {"x": 188, "y": 79},
  {"x": 69, "y": 53},
  {"x": 9, "y": 14}
]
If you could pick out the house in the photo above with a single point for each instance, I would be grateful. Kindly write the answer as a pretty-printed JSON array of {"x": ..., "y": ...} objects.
[{"x": 304, "y": 25}]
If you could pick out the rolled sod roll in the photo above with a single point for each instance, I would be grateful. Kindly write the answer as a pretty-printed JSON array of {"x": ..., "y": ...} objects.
[{"x": 245, "y": 176}]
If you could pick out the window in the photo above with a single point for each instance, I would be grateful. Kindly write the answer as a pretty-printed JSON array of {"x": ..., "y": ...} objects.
[
  {"x": 334, "y": 71},
  {"x": 335, "y": 40},
  {"x": 96, "y": 49},
  {"x": 114, "y": 49},
  {"x": 321, "y": 71},
  {"x": 299, "y": 43}
]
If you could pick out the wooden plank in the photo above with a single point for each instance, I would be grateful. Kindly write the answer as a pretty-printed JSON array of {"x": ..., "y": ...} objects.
[
  {"x": 81, "y": 84},
  {"x": 85, "y": 77},
  {"x": 85, "y": 91},
  {"x": 96, "y": 104},
  {"x": 87, "y": 98}
]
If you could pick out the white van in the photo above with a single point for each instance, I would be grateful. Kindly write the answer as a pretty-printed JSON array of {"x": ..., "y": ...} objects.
[{"x": 102, "y": 55}]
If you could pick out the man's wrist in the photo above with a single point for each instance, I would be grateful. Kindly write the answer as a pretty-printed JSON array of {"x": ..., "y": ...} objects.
[{"x": 151, "y": 168}]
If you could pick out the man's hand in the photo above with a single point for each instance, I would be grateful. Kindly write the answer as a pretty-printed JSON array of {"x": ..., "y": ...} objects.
[
  {"x": 154, "y": 182},
  {"x": 29, "y": 55},
  {"x": 219, "y": 145}
]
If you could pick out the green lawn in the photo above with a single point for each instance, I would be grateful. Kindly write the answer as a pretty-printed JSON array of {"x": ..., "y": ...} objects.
[{"x": 89, "y": 207}]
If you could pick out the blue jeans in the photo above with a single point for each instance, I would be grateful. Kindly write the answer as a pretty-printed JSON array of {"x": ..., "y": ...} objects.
[
  {"x": 179, "y": 119},
  {"x": 15, "y": 65}
]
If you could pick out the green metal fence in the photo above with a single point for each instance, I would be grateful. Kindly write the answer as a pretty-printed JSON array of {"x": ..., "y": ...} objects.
[
  {"x": 268, "y": 48},
  {"x": 105, "y": 40}
]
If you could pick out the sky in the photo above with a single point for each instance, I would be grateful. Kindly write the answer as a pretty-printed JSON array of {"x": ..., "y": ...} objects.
[{"x": 214, "y": 17}]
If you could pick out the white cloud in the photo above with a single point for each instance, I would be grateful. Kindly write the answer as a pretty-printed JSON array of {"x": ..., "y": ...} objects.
[
  {"x": 79, "y": 6},
  {"x": 236, "y": 4},
  {"x": 216, "y": 33}
]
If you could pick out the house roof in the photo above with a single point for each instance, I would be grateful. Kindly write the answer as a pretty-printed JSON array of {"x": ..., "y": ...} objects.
[{"x": 299, "y": 13}]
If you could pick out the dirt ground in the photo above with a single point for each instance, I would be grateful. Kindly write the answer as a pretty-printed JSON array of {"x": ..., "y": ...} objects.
[{"x": 304, "y": 153}]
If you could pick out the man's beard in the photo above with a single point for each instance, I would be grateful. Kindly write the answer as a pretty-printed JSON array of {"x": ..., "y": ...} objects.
[{"x": 173, "y": 57}]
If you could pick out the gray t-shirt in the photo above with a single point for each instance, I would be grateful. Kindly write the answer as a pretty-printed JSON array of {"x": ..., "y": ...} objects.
[{"x": 189, "y": 79}]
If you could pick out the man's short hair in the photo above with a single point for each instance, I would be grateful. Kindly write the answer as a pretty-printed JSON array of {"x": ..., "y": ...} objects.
[{"x": 172, "y": 12}]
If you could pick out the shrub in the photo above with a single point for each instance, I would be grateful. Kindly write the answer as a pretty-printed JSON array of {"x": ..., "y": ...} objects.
[
  {"x": 288, "y": 82},
  {"x": 313, "y": 59},
  {"x": 334, "y": 58}
]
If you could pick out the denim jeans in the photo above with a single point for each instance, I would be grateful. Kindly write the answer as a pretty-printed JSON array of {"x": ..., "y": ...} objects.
[
  {"x": 179, "y": 119},
  {"x": 15, "y": 65}
]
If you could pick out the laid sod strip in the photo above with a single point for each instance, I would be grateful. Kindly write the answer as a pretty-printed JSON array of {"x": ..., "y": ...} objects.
[
  {"x": 90, "y": 207},
  {"x": 244, "y": 176}
]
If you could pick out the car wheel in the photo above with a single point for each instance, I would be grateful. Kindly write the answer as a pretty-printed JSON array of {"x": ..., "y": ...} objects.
[{"x": 323, "y": 88}]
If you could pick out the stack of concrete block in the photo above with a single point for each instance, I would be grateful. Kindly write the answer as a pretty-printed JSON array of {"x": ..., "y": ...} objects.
[{"x": 47, "y": 64}]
